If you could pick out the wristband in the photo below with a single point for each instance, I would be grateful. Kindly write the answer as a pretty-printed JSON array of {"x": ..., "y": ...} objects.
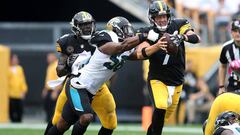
[
  {"x": 144, "y": 52},
  {"x": 141, "y": 37}
]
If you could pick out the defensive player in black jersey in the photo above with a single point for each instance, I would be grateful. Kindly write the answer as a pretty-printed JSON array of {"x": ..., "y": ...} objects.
[
  {"x": 70, "y": 47},
  {"x": 230, "y": 52},
  {"x": 166, "y": 72}
]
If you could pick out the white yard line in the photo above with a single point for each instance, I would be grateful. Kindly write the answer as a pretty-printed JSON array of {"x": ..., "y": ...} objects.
[{"x": 94, "y": 127}]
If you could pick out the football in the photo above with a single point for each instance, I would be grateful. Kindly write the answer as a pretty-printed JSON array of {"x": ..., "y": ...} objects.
[{"x": 172, "y": 48}]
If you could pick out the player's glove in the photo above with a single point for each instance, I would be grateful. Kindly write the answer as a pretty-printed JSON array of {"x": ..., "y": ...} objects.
[
  {"x": 71, "y": 59},
  {"x": 177, "y": 38}
]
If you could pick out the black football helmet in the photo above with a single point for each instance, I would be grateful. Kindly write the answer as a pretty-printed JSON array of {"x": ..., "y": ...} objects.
[
  {"x": 83, "y": 25},
  {"x": 121, "y": 26},
  {"x": 159, "y": 8},
  {"x": 227, "y": 118}
]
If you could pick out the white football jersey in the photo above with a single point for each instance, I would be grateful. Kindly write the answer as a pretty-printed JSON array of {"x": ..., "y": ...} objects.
[
  {"x": 101, "y": 68},
  {"x": 235, "y": 128}
]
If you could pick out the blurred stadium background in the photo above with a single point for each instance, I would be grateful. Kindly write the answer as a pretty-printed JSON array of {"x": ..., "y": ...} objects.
[{"x": 30, "y": 29}]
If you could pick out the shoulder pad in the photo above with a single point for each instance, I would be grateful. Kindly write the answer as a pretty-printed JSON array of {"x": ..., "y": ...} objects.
[
  {"x": 63, "y": 39},
  {"x": 183, "y": 25},
  {"x": 62, "y": 42},
  {"x": 103, "y": 37}
]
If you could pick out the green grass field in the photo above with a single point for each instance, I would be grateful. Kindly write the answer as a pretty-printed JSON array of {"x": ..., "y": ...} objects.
[
  {"x": 18, "y": 129},
  {"x": 40, "y": 132}
]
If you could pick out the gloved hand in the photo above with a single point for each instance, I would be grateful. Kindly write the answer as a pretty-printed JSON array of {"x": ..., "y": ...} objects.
[{"x": 177, "y": 38}]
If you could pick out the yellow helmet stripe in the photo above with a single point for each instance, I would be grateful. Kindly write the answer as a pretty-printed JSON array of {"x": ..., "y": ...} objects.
[{"x": 160, "y": 5}]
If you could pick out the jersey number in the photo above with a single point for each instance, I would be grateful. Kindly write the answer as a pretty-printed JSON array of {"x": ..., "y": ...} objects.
[
  {"x": 166, "y": 58},
  {"x": 115, "y": 64}
]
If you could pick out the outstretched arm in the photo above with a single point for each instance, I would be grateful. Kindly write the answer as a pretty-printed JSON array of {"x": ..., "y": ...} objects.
[{"x": 112, "y": 48}]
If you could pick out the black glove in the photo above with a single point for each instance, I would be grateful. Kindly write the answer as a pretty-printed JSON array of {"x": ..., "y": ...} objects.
[
  {"x": 177, "y": 39},
  {"x": 71, "y": 59}
]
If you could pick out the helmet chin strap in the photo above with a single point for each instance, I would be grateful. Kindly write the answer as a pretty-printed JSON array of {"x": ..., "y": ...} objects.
[{"x": 162, "y": 28}]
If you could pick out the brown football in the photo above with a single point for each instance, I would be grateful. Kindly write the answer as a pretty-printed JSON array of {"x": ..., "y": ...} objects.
[{"x": 172, "y": 49}]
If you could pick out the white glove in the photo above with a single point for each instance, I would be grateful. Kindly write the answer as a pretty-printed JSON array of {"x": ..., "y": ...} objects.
[{"x": 152, "y": 36}]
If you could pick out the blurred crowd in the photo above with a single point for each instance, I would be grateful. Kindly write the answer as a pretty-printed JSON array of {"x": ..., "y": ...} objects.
[{"x": 210, "y": 18}]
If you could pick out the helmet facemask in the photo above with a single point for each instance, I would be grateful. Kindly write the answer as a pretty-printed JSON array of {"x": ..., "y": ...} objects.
[
  {"x": 121, "y": 27},
  {"x": 159, "y": 8},
  {"x": 160, "y": 28},
  {"x": 227, "y": 118},
  {"x": 83, "y": 25},
  {"x": 124, "y": 32}
]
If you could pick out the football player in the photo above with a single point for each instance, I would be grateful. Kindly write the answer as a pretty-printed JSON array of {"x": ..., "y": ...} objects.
[
  {"x": 166, "y": 71},
  {"x": 113, "y": 48},
  {"x": 227, "y": 123},
  {"x": 229, "y": 101},
  {"x": 70, "y": 47}
]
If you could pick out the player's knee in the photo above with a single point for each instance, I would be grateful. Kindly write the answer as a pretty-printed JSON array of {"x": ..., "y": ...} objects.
[
  {"x": 62, "y": 125},
  {"x": 85, "y": 119},
  {"x": 111, "y": 122}
]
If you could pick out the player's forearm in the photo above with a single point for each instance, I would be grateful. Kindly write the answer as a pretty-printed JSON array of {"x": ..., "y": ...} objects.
[
  {"x": 132, "y": 42},
  {"x": 146, "y": 52},
  {"x": 222, "y": 74}
]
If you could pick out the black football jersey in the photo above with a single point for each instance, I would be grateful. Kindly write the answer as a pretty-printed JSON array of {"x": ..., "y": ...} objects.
[
  {"x": 70, "y": 44},
  {"x": 164, "y": 67},
  {"x": 229, "y": 53}
]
